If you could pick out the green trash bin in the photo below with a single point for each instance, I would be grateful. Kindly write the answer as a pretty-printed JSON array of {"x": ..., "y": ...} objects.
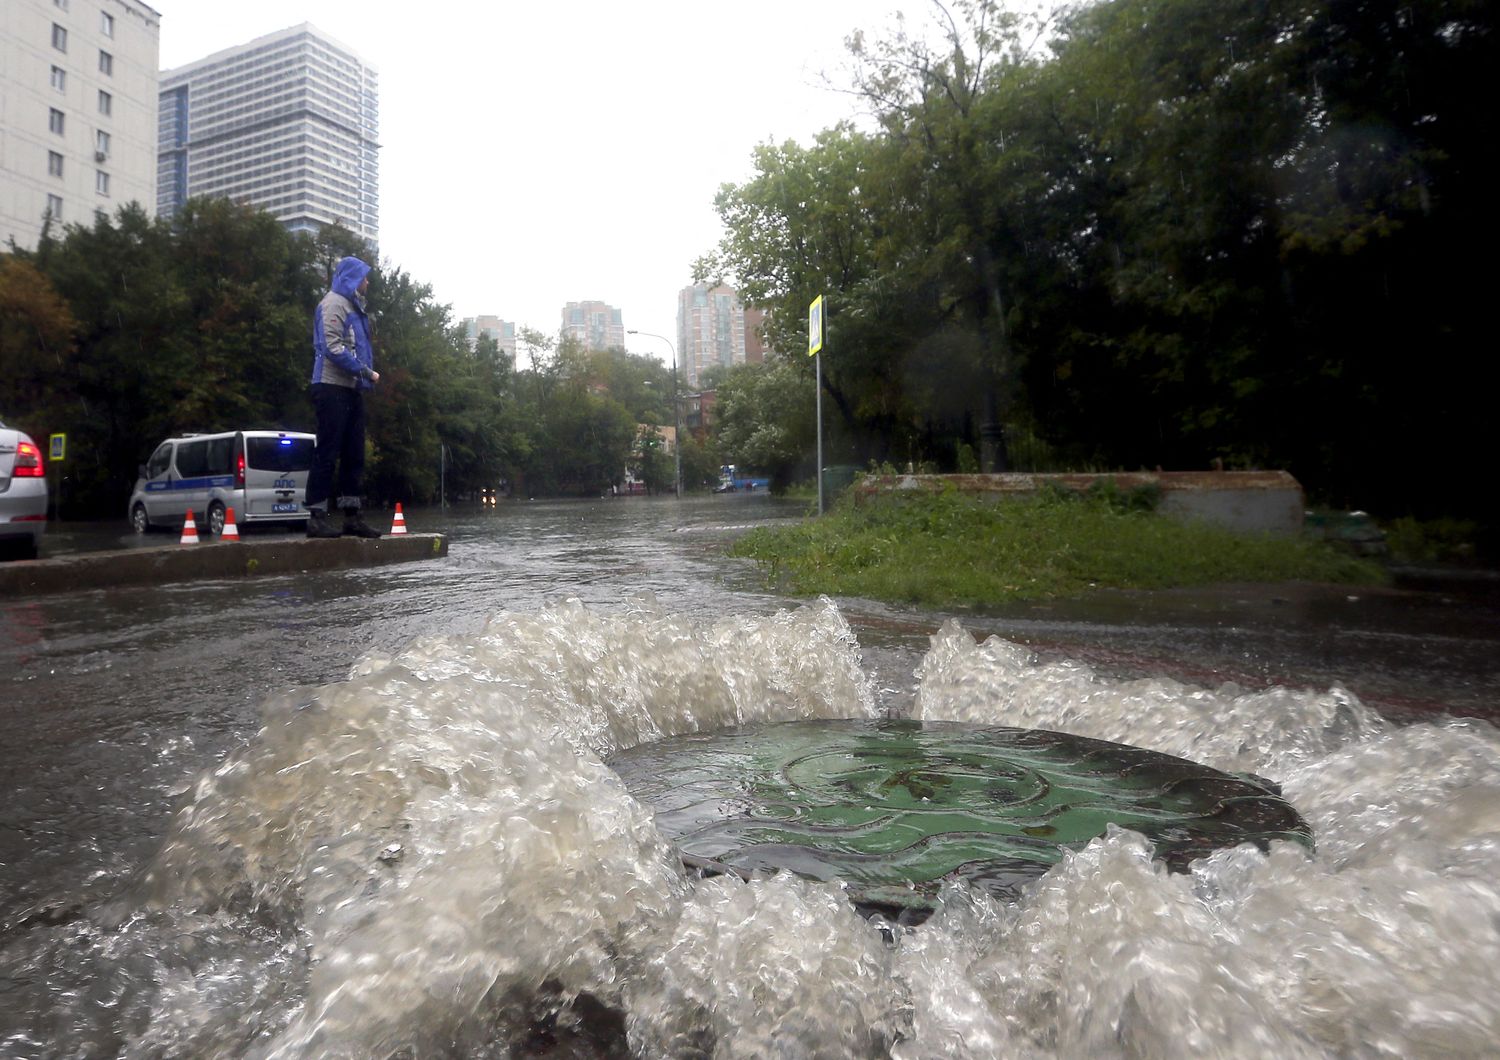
[{"x": 837, "y": 478}]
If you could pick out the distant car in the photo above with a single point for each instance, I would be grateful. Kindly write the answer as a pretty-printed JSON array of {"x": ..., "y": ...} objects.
[
  {"x": 23, "y": 494},
  {"x": 262, "y": 475}
]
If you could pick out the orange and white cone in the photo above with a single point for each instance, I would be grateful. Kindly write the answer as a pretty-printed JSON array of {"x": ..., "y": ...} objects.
[
  {"x": 189, "y": 531},
  {"x": 398, "y": 524},
  {"x": 230, "y": 531}
]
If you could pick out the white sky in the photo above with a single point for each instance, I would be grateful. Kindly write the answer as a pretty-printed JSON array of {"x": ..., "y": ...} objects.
[{"x": 536, "y": 153}]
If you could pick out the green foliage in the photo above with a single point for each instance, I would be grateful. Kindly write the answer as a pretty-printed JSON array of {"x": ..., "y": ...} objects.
[
  {"x": 1107, "y": 491},
  {"x": 1193, "y": 232},
  {"x": 765, "y": 418},
  {"x": 134, "y": 329},
  {"x": 949, "y": 549},
  {"x": 1185, "y": 233},
  {"x": 180, "y": 326},
  {"x": 36, "y": 343},
  {"x": 1413, "y": 540},
  {"x": 700, "y": 463},
  {"x": 654, "y": 466},
  {"x": 581, "y": 411}
]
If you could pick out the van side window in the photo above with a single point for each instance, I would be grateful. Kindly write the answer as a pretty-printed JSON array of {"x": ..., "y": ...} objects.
[
  {"x": 160, "y": 461},
  {"x": 192, "y": 459},
  {"x": 221, "y": 456}
]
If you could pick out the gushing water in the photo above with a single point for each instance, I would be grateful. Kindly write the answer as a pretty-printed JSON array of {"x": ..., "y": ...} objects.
[{"x": 431, "y": 858}]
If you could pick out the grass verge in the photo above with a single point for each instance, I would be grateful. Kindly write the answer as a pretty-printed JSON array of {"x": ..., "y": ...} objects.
[{"x": 952, "y": 549}]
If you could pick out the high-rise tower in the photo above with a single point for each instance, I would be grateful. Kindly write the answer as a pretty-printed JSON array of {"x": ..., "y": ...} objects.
[
  {"x": 596, "y": 325},
  {"x": 710, "y": 329},
  {"x": 287, "y": 123}
]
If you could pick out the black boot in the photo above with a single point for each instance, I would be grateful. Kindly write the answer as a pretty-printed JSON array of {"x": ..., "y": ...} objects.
[
  {"x": 319, "y": 526},
  {"x": 354, "y": 526}
]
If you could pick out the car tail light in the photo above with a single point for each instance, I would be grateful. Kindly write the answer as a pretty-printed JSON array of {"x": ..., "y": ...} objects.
[
  {"x": 239, "y": 472},
  {"x": 28, "y": 462}
]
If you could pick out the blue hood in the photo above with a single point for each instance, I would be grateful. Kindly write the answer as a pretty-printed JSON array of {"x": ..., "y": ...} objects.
[{"x": 347, "y": 277}]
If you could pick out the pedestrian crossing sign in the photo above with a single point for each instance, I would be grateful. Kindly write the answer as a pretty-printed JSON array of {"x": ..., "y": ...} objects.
[{"x": 815, "y": 326}]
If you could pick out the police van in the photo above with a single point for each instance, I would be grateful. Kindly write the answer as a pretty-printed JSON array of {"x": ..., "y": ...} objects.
[{"x": 262, "y": 475}]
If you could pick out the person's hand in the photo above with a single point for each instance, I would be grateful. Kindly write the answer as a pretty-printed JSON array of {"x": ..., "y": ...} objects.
[{"x": 374, "y": 376}]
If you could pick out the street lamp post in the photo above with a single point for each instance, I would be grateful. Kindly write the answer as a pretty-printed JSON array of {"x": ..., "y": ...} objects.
[{"x": 676, "y": 411}]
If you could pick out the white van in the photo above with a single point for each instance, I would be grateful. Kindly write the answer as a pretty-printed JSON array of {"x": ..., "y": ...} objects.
[{"x": 262, "y": 475}]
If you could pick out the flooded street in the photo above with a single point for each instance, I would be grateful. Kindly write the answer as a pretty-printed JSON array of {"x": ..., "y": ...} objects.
[{"x": 367, "y": 813}]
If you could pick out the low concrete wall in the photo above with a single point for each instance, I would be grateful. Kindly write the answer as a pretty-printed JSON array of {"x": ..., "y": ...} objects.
[
  {"x": 1245, "y": 501},
  {"x": 180, "y": 563}
]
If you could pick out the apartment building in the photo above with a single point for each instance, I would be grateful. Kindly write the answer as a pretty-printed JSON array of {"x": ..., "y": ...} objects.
[
  {"x": 78, "y": 85},
  {"x": 596, "y": 325},
  {"x": 501, "y": 332},
  {"x": 710, "y": 330},
  {"x": 288, "y": 123}
]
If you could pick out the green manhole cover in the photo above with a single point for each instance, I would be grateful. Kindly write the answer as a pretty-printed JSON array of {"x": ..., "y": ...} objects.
[{"x": 892, "y": 808}]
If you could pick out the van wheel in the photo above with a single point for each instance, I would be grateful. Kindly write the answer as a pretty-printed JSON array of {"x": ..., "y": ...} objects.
[
  {"x": 138, "y": 520},
  {"x": 215, "y": 525}
]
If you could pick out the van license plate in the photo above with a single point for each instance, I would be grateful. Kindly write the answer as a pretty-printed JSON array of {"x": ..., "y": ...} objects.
[{"x": 286, "y": 507}]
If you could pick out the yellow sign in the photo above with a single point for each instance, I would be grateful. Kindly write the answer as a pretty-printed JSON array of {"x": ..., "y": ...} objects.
[
  {"x": 58, "y": 446},
  {"x": 815, "y": 326}
]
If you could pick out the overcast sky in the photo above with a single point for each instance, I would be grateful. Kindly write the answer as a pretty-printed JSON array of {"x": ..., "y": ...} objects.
[{"x": 537, "y": 153}]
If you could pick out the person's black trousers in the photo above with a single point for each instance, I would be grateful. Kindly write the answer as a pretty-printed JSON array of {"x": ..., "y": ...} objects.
[{"x": 341, "y": 439}]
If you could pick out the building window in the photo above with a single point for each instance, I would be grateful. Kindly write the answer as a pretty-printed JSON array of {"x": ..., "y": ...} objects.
[
  {"x": 59, "y": 79},
  {"x": 59, "y": 38},
  {"x": 55, "y": 121},
  {"x": 106, "y": 102},
  {"x": 60, "y": 3},
  {"x": 54, "y": 164},
  {"x": 101, "y": 141},
  {"x": 101, "y": 182},
  {"x": 106, "y": 64},
  {"x": 106, "y": 23},
  {"x": 54, "y": 207}
]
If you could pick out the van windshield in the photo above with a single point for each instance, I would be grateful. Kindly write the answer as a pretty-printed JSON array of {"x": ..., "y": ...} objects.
[{"x": 279, "y": 454}]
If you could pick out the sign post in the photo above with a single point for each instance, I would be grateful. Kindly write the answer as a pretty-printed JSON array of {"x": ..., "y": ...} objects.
[
  {"x": 814, "y": 350},
  {"x": 57, "y": 452}
]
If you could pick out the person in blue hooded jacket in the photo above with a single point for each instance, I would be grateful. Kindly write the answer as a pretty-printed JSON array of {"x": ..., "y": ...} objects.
[{"x": 343, "y": 369}]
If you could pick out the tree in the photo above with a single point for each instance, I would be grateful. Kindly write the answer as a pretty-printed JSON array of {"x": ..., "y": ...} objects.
[
  {"x": 765, "y": 419},
  {"x": 919, "y": 236},
  {"x": 960, "y": 168},
  {"x": 700, "y": 462},
  {"x": 36, "y": 345},
  {"x": 813, "y": 221},
  {"x": 655, "y": 467},
  {"x": 641, "y": 383},
  {"x": 1266, "y": 207}
]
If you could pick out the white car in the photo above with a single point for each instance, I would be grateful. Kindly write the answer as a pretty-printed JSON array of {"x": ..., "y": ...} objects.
[{"x": 23, "y": 494}]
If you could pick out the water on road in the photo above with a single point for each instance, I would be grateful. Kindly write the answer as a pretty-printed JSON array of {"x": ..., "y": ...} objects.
[{"x": 367, "y": 813}]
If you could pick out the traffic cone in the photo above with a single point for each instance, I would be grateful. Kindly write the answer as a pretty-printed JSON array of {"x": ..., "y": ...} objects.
[
  {"x": 230, "y": 532},
  {"x": 398, "y": 525},
  {"x": 189, "y": 531}
]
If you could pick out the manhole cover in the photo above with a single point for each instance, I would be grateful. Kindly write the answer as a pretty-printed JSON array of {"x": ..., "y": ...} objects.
[{"x": 892, "y": 808}]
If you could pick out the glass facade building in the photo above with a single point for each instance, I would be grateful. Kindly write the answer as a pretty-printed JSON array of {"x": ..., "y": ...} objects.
[{"x": 288, "y": 123}]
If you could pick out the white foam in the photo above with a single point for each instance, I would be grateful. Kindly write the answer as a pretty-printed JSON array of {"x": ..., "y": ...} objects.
[{"x": 408, "y": 859}]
